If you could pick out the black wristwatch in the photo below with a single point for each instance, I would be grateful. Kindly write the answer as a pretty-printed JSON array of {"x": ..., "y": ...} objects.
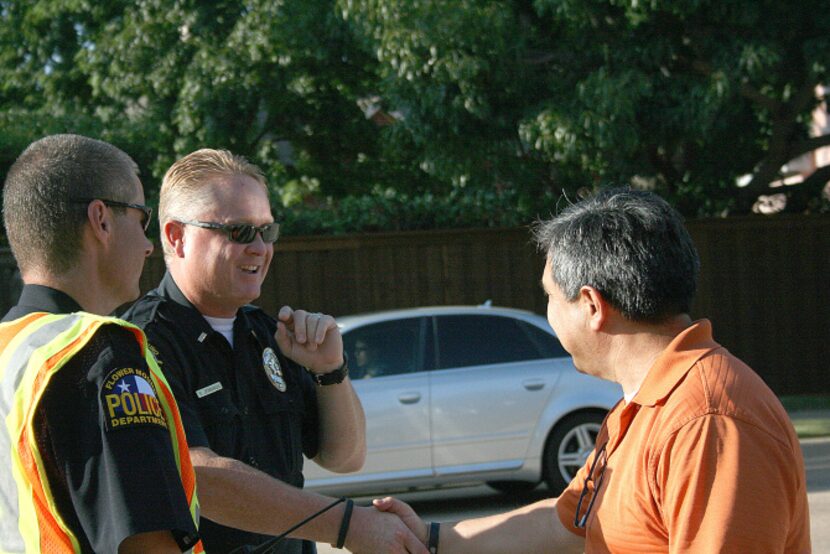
[{"x": 333, "y": 377}]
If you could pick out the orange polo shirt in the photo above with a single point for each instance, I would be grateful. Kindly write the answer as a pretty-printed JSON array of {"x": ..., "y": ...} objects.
[{"x": 703, "y": 459}]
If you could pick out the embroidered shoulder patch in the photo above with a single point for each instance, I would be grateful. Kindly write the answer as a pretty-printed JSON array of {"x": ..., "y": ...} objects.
[{"x": 129, "y": 399}]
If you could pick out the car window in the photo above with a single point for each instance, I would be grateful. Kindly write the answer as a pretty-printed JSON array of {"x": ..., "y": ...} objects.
[
  {"x": 385, "y": 348},
  {"x": 548, "y": 345},
  {"x": 465, "y": 340}
]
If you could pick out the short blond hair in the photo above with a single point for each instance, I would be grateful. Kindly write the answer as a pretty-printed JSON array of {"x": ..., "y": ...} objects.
[{"x": 181, "y": 190}]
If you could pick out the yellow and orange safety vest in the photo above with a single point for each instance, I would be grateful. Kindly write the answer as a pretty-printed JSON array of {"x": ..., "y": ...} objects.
[{"x": 33, "y": 349}]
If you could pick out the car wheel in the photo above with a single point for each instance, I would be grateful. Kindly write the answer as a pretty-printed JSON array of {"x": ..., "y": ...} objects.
[
  {"x": 512, "y": 487},
  {"x": 569, "y": 446}
]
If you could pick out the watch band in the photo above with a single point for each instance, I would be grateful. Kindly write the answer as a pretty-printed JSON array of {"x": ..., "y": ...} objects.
[
  {"x": 432, "y": 537},
  {"x": 333, "y": 377}
]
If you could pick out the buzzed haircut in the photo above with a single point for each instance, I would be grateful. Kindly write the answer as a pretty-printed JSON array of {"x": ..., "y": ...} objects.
[
  {"x": 182, "y": 190},
  {"x": 631, "y": 246},
  {"x": 43, "y": 223}
]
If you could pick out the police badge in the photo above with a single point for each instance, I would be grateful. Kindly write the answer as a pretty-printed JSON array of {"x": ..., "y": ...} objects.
[{"x": 271, "y": 364}]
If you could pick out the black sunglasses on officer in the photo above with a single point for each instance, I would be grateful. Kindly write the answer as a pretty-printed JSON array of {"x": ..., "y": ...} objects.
[
  {"x": 147, "y": 211},
  {"x": 242, "y": 233}
]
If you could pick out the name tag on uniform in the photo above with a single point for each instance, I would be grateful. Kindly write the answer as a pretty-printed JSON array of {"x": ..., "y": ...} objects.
[{"x": 210, "y": 389}]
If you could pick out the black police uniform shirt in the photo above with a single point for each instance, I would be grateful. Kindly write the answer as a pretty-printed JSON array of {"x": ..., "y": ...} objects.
[
  {"x": 103, "y": 507},
  {"x": 229, "y": 397}
]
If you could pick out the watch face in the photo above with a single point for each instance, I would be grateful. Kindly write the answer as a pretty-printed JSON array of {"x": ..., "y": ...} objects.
[{"x": 271, "y": 365}]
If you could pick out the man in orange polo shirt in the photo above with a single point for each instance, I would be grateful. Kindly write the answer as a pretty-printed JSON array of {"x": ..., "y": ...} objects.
[{"x": 699, "y": 456}]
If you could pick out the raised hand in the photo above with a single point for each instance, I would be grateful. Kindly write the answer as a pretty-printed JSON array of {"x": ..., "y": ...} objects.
[{"x": 310, "y": 339}]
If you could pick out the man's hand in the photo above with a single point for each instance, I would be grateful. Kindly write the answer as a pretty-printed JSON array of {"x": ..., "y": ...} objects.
[
  {"x": 372, "y": 532},
  {"x": 406, "y": 513},
  {"x": 310, "y": 339}
]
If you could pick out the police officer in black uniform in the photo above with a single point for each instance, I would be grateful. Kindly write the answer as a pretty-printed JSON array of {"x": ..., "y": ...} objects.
[
  {"x": 247, "y": 402},
  {"x": 250, "y": 407},
  {"x": 117, "y": 489}
]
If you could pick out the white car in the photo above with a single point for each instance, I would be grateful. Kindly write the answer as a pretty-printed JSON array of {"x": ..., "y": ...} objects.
[{"x": 466, "y": 394}]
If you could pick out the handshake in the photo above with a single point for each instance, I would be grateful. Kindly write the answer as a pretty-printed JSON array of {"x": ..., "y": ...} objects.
[{"x": 391, "y": 526}]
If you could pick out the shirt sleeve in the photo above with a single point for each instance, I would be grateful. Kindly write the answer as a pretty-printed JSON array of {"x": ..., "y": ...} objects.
[
  {"x": 117, "y": 461},
  {"x": 311, "y": 418},
  {"x": 719, "y": 477}
]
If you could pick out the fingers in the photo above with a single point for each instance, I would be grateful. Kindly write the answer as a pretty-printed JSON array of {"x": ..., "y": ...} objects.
[
  {"x": 394, "y": 506},
  {"x": 411, "y": 543},
  {"x": 286, "y": 315},
  {"x": 414, "y": 546},
  {"x": 404, "y": 539},
  {"x": 320, "y": 325},
  {"x": 302, "y": 320},
  {"x": 405, "y": 512},
  {"x": 384, "y": 532},
  {"x": 307, "y": 328},
  {"x": 282, "y": 337}
]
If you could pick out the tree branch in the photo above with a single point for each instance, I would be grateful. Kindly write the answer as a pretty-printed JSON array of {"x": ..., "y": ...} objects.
[
  {"x": 744, "y": 89},
  {"x": 809, "y": 145},
  {"x": 800, "y": 197},
  {"x": 817, "y": 179},
  {"x": 778, "y": 153},
  {"x": 540, "y": 59}
]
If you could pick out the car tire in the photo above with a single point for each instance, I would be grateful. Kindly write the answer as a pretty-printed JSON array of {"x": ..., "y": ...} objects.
[
  {"x": 568, "y": 446},
  {"x": 513, "y": 487}
]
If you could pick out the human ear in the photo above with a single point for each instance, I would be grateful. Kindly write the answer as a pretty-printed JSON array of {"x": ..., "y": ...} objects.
[
  {"x": 173, "y": 235},
  {"x": 596, "y": 307},
  {"x": 99, "y": 220}
]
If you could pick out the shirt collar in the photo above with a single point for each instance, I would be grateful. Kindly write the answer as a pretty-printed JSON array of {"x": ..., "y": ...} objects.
[
  {"x": 674, "y": 363},
  {"x": 40, "y": 298},
  {"x": 171, "y": 291},
  {"x": 191, "y": 320}
]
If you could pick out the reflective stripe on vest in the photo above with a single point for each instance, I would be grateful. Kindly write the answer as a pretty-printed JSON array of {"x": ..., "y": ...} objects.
[{"x": 32, "y": 350}]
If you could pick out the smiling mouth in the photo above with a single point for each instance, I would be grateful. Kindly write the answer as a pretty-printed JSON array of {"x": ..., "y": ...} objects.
[{"x": 250, "y": 269}]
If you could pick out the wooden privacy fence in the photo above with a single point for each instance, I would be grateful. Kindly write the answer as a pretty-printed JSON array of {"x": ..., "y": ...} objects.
[
  {"x": 764, "y": 283},
  {"x": 363, "y": 273}
]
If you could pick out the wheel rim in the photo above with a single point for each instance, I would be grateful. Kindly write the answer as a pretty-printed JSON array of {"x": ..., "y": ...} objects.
[{"x": 575, "y": 448}]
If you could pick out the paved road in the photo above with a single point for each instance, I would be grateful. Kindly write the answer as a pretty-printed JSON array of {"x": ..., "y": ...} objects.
[{"x": 462, "y": 503}]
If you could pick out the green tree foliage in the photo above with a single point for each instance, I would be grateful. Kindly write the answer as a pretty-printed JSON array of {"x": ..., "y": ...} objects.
[
  {"x": 684, "y": 97},
  {"x": 278, "y": 82},
  {"x": 491, "y": 107}
]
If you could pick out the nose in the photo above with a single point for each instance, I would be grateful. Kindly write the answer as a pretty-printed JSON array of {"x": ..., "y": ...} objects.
[
  {"x": 257, "y": 246},
  {"x": 148, "y": 247}
]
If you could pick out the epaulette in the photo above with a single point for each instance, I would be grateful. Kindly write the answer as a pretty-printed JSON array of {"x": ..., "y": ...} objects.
[{"x": 144, "y": 310}]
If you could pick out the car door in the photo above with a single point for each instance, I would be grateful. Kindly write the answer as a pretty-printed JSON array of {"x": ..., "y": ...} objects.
[
  {"x": 394, "y": 392},
  {"x": 492, "y": 380}
]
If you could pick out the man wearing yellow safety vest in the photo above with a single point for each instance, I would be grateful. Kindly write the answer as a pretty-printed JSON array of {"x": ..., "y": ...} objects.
[{"x": 92, "y": 452}]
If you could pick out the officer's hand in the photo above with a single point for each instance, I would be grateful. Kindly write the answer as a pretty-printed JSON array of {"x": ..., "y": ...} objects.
[
  {"x": 311, "y": 339},
  {"x": 372, "y": 531},
  {"x": 405, "y": 512}
]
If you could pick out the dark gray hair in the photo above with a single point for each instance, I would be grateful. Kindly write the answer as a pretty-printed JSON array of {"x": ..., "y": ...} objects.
[
  {"x": 631, "y": 246},
  {"x": 43, "y": 224}
]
